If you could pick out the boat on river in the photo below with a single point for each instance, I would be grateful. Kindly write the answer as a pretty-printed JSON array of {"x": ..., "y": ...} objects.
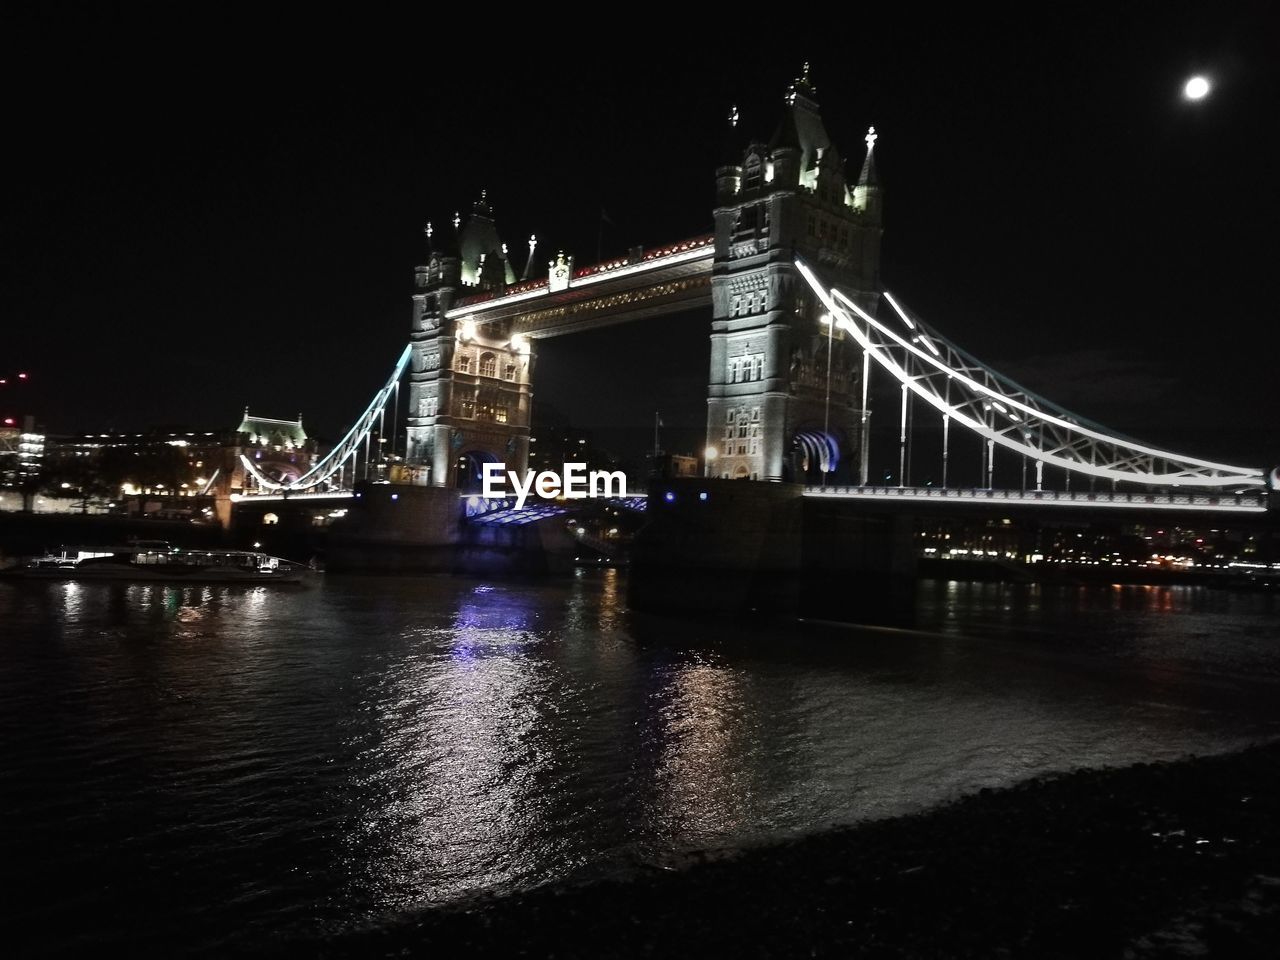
[{"x": 157, "y": 560}]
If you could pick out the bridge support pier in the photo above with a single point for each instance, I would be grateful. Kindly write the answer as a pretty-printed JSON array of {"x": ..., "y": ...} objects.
[
  {"x": 720, "y": 546},
  {"x": 858, "y": 566}
]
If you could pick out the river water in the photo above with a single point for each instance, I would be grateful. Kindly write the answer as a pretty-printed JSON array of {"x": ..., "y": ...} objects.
[{"x": 189, "y": 770}]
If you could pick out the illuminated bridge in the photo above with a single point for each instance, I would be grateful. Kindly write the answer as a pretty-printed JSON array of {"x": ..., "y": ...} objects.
[{"x": 803, "y": 339}]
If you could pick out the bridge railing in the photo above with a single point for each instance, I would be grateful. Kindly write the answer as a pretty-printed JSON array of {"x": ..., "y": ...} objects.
[{"x": 1251, "y": 502}]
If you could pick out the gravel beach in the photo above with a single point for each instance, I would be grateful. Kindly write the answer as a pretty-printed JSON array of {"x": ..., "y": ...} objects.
[{"x": 1156, "y": 860}]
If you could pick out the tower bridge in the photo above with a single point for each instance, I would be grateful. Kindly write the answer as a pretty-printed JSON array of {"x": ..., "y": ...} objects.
[{"x": 800, "y": 332}]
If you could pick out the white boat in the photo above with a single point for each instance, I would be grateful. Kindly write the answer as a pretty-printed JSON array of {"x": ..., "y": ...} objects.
[{"x": 157, "y": 560}]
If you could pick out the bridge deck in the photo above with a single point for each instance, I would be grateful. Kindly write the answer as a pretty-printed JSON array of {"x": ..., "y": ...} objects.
[
  {"x": 667, "y": 280},
  {"x": 1080, "y": 500}
]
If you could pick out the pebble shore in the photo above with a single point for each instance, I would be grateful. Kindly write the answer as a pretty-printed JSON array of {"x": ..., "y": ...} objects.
[{"x": 1173, "y": 859}]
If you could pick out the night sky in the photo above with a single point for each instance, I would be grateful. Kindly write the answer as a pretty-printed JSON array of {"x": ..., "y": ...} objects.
[{"x": 211, "y": 213}]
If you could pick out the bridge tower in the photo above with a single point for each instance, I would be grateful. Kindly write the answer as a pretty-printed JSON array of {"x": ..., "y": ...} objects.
[
  {"x": 469, "y": 388},
  {"x": 780, "y": 404}
]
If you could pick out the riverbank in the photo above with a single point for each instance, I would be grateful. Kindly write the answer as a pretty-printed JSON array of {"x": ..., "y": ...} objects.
[{"x": 1155, "y": 860}]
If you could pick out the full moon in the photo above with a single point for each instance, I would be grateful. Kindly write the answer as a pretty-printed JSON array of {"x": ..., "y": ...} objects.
[{"x": 1196, "y": 88}]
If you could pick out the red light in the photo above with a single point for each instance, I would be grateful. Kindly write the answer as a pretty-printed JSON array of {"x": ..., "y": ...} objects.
[
  {"x": 9, "y": 421},
  {"x": 22, "y": 376}
]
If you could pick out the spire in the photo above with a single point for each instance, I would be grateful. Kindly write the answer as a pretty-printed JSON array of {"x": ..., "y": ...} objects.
[
  {"x": 800, "y": 130},
  {"x": 528, "y": 264},
  {"x": 733, "y": 143},
  {"x": 481, "y": 249},
  {"x": 867, "y": 178},
  {"x": 866, "y": 194}
]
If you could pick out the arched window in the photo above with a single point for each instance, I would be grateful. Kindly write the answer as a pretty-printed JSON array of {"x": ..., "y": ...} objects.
[
  {"x": 492, "y": 406},
  {"x": 488, "y": 365}
]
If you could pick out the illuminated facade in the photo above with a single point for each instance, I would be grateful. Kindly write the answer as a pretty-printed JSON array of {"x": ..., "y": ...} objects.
[
  {"x": 791, "y": 275},
  {"x": 768, "y": 412},
  {"x": 469, "y": 399},
  {"x": 22, "y": 450},
  {"x": 280, "y": 449}
]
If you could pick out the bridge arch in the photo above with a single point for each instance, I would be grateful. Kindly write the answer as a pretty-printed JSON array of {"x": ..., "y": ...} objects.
[
  {"x": 815, "y": 453},
  {"x": 468, "y": 469}
]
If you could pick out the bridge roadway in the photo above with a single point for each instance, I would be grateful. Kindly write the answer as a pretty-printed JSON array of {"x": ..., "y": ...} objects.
[
  {"x": 910, "y": 499},
  {"x": 646, "y": 284}
]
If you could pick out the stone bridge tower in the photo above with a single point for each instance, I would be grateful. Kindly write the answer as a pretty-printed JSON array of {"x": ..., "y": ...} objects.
[
  {"x": 469, "y": 399},
  {"x": 768, "y": 416}
]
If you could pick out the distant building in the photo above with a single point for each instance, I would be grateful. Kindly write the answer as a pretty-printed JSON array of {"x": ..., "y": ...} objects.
[
  {"x": 280, "y": 449},
  {"x": 159, "y": 469},
  {"x": 21, "y": 454},
  {"x": 554, "y": 441},
  {"x": 663, "y": 466}
]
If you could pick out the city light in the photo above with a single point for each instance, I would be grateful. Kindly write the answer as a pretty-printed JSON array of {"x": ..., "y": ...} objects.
[{"x": 1197, "y": 88}]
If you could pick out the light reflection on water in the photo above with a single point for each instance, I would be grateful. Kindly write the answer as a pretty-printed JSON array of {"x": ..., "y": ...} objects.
[{"x": 208, "y": 763}]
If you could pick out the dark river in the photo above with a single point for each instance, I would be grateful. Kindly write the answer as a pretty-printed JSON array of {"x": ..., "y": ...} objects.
[{"x": 187, "y": 770}]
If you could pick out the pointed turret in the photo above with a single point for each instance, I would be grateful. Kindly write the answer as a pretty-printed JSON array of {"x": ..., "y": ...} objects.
[
  {"x": 800, "y": 134},
  {"x": 479, "y": 243},
  {"x": 867, "y": 178},
  {"x": 528, "y": 264},
  {"x": 866, "y": 195},
  {"x": 729, "y": 172}
]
